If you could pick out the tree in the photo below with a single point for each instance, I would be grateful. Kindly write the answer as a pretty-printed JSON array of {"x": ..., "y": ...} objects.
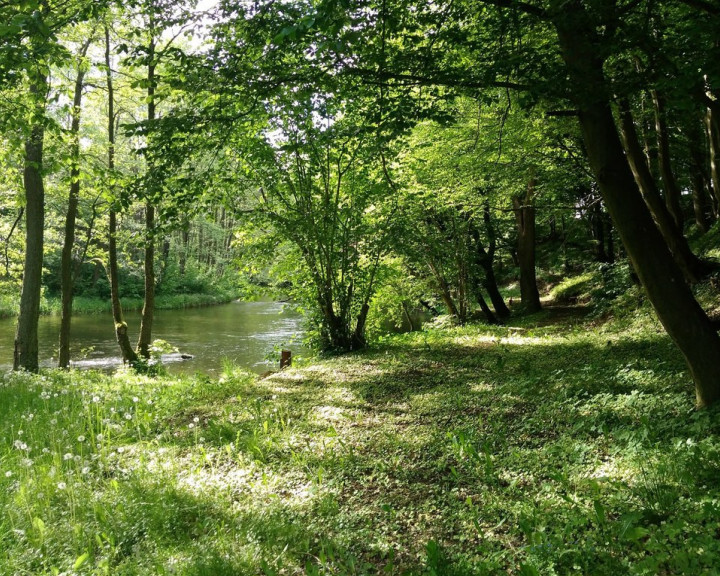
[
  {"x": 67, "y": 270},
  {"x": 30, "y": 47},
  {"x": 555, "y": 55}
]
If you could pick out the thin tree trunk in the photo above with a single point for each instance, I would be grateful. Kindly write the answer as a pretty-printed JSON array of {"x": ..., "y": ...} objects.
[
  {"x": 692, "y": 267},
  {"x": 185, "y": 247},
  {"x": 26, "y": 336},
  {"x": 148, "y": 310},
  {"x": 121, "y": 328},
  {"x": 713, "y": 131},
  {"x": 66, "y": 265},
  {"x": 681, "y": 315},
  {"x": 670, "y": 186},
  {"x": 703, "y": 208},
  {"x": 525, "y": 218},
  {"x": 489, "y": 316}
]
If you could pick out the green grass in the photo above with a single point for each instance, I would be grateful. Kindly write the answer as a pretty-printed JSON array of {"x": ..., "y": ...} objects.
[{"x": 531, "y": 449}]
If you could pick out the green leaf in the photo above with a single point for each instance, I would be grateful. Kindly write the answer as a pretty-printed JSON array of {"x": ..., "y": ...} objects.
[{"x": 81, "y": 560}]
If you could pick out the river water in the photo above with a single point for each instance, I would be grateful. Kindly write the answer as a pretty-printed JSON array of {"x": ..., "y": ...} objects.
[{"x": 241, "y": 332}]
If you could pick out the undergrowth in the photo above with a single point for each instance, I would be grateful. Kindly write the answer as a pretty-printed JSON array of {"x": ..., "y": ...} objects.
[{"x": 526, "y": 449}]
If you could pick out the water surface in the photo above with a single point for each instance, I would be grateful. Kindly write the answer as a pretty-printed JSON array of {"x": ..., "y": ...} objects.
[{"x": 241, "y": 332}]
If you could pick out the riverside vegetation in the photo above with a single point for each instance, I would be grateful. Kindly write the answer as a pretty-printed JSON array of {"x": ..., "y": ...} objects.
[{"x": 557, "y": 444}]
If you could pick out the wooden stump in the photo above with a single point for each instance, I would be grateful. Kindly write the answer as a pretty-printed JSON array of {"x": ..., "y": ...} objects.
[{"x": 285, "y": 359}]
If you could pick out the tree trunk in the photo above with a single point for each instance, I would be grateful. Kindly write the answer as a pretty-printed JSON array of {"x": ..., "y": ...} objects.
[
  {"x": 66, "y": 264},
  {"x": 26, "y": 336},
  {"x": 489, "y": 316},
  {"x": 670, "y": 186},
  {"x": 713, "y": 131},
  {"x": 444, "y": 290},
  {"x": 701, "y": 202},
  {"x": 598, "y": 232},
  {"x": 703, "y": 208},
  {"x": 681, "y": 315},
  {"x": 525, "y": 218},
  {"x": 148, "y": 310},
  {"x": 121, "y": 329},
  {"x": 692, "y": 267}
]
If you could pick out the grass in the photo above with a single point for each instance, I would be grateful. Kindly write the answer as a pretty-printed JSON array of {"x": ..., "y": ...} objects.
[{"x": 538, "y": 448}]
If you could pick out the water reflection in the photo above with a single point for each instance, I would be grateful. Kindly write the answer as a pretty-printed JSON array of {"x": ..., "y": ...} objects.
[{"x": 241, "y": 332}]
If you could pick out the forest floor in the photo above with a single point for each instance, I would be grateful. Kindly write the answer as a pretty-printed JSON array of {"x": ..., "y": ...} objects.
[{"x": 538, "y": 448}]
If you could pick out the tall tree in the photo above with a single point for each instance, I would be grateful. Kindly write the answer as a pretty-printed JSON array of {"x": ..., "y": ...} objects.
[
  {"x": 66, "y": 264},
  {"x": 121, "y": 328}
]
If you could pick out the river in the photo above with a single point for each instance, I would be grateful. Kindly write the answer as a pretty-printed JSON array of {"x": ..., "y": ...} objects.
[{"x": 241, "y": 332}]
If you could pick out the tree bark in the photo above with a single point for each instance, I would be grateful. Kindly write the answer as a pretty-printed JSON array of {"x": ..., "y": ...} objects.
[
  {"x": 121, "y": 329},
  {"x": 148, "y": 310},
  {"x": 681, "y": 315},
  {"x": 670, "y": 186},
  {"x": 484, "y": 259},
  {"x": 703, "y": 208},
  {"x": 26, "y": 336},
  {"x": 525, "y": 218},
  {"x": 692, "y": 267},
  {"x": 713, "y": 131},
  {"x": 66, "y": 264}
]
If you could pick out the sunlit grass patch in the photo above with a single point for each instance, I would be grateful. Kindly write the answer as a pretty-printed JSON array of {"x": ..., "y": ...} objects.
[{"x": 470, "y": 450}]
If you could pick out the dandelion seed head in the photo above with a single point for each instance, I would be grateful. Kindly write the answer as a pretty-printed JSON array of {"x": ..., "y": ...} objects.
[{"x": 61, "y": 485}]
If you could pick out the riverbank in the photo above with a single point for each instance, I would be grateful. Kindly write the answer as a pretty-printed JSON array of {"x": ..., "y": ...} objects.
[
  {"x": 9, "y": 305},
  {"x": 550, "y": 446}
]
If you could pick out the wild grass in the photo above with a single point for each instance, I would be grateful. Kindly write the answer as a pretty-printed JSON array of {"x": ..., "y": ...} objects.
[{"x": 534, "y": 448}]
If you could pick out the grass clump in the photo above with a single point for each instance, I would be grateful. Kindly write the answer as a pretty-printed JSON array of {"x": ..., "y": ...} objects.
[{"x": 525, "y": 449}]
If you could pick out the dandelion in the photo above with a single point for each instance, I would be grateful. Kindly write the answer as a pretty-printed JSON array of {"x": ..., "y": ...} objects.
[
  {"x": 67, "y": 456},
  {"x": 20, "y": 432},
  {"x": 121, "y": 449},
  {"x": 100, "y": 437},
  {"x": 191, "y": 425},
  {"x": 128, "y": 416},
  {"x": 61, "y": 485},
  {"x": 85, "y": 470},
  {"x": 136, "y": 399},
  {"x": 96, "y": 399},
  {"x": 8, "y": 474},
  {"x": 81, "y": 438},
  {"x": 53, "y": 421},
  {"x": 196, "y": 419}
]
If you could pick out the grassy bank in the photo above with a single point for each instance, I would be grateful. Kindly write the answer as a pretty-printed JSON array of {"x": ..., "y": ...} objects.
[
  {"x": 533, "y": 449},
  {"x": 9, "y": 305}
]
